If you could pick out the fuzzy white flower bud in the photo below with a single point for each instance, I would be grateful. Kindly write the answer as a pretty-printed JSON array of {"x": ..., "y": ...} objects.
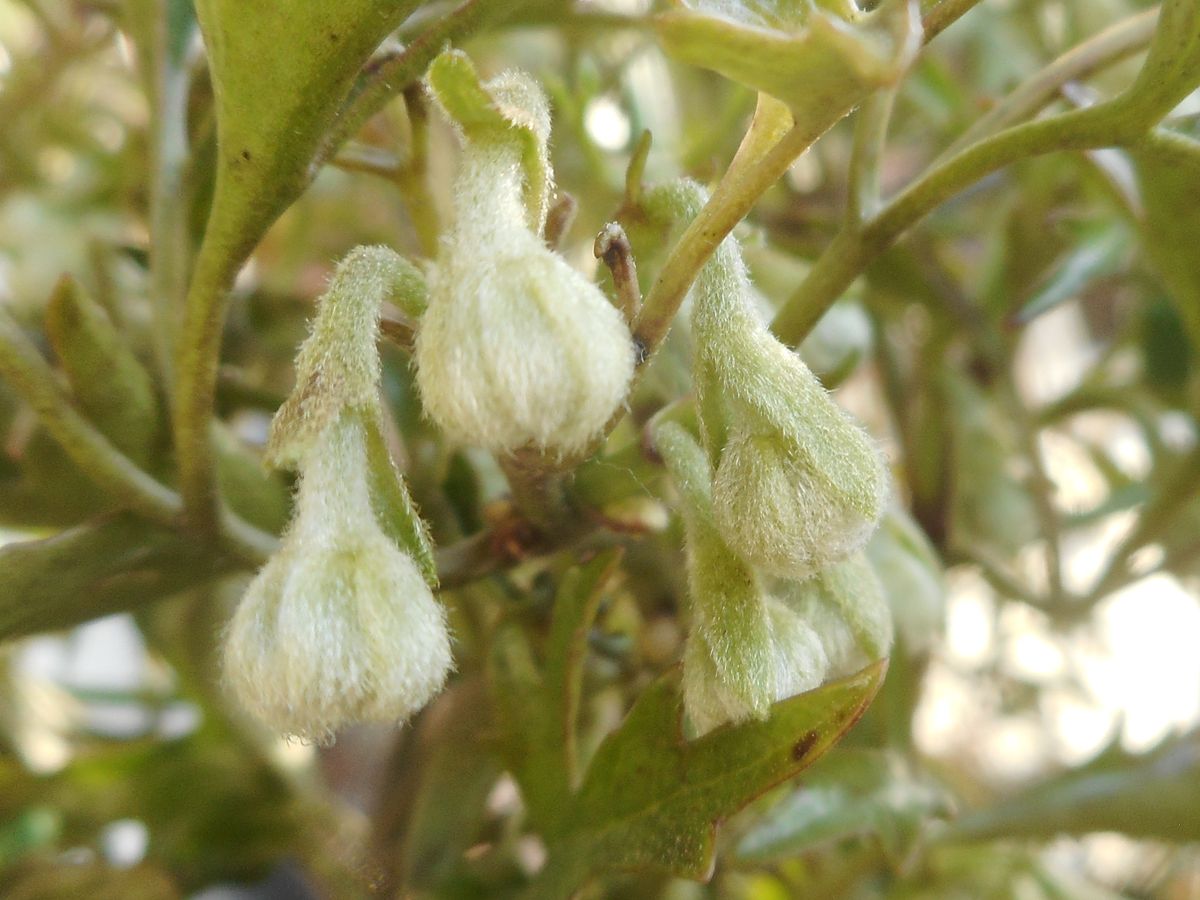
[
  {"x": 339, "y": 626},
  {"x": 746, "y": 650},
  {"x": 911, "y": 576},
  {"x": 845, "y": 605},
  {"x": 517, "y": 349},
  {"x": 799, "y": 484}
]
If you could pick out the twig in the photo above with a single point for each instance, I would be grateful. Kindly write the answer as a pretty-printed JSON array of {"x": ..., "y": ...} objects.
[
  {"x": 559, "y": 220},
  {"x": 1118, "y": 41},
  {"x": 938, "y": 16},
  {"x": 612, "y": 246}
]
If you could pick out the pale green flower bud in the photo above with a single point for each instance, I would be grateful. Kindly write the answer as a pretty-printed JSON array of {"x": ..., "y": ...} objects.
[
  {"x": 517, "y": 349},
  {"x": 991, "y": 503},
  {"x": 799, "y": 484},
  {"x": 745, "y": 649},
  {"x": 339, "y": 626},
  {"x": 845, "y": 605},
  {"x": 911, "y": 576}
]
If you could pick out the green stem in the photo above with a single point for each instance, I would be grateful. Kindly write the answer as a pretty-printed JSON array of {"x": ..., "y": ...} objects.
[
  {"x": 854, "y": 248},
  {"x": 167, "y": 79},
  {"x": 197, "y": 360},
  {"x": 938, "y": 15},
  {"x": 537, "y": 492},
  {"x": 870, "y": 134},
  {"x": 1113, "y": 44},
  {"x": 729, "y": 204}
]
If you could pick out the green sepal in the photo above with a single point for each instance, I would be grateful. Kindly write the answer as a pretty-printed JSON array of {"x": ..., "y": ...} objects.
[
  {"x": 509, "y": 106},
  {"x": 392, "y": 504}
]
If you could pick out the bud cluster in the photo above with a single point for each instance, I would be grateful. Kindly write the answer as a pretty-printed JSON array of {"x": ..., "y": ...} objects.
[{"x": 792, "y": 490}]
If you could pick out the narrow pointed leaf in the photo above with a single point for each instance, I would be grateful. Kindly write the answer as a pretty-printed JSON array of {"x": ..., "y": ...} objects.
[{"x": 107, "y": 380}]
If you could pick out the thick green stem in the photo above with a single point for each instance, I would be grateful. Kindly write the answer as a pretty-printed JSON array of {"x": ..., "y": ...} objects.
[{"x": 197, "y": 359}]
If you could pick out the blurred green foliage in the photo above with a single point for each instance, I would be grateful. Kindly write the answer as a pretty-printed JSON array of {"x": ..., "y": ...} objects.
[{"x": 998, "y": 348}]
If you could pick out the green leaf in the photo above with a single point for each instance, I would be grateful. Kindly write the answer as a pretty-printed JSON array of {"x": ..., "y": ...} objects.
[
  {"x": 850, "y": 793},
  {"x": 821, "y": 62},
  {"x": 280, "y": 73},
  {"x": 1155, "y": 795},
  {"x": 105, "y": 566},
  {"x": 108, "y": 381},
  {"x": 652, "y": 800},
  {"x": 1100, "y": 253},
  {"x": 261, "y": 497},
  {"x": 1168, "y": 170}
]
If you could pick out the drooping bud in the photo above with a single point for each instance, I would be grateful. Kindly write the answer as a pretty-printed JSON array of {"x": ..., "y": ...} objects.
[
  {"x": 340, "y": 625},
  {"x": 911, "y": 577},
  {"x": 517, "y": 349},
  {"x": 799, "y": 484},
  {"x": 991, "y": 503},
  {"x": 745, "y": 650},
  {"x": 844, "y": 604}
]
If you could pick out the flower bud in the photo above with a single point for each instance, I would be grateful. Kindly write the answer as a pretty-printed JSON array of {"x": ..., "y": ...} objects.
[
  {"x": 799, "y": 484},
  {"x": 745, "y": 650},
  {"x": 845, "y": 605},
  {"x": 339, "y": 626},
  {"x": 911, "y": 577},
  {"x": 517, "y": 349}
]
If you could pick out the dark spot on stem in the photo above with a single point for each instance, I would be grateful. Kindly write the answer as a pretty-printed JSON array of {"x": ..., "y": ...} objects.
[{"x": 246, "y": 155}]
